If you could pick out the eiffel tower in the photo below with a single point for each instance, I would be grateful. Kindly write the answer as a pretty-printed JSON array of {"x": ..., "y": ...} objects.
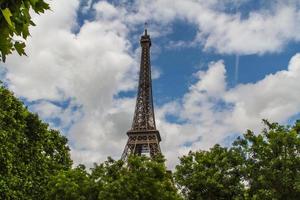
[{"x": 143, "y": 137}]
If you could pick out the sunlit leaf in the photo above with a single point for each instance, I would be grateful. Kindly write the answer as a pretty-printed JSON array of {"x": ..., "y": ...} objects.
[
  {"x": 20, "y": 47},
  {"x": 7, "y": 14}
]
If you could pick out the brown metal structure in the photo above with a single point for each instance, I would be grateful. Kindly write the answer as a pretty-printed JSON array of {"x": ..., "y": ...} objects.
[{"x": 143, "y": 138}]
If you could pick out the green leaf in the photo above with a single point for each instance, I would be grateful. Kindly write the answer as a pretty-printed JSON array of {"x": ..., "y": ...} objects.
[
  {"x": 25, "y": 31},
  {"x": 19, "y": 46},
  {"x": 33, "y": 2},
  {"x": 15, "y": 17},
  {"x": 3, "y": 57},
  {"x": 32, "y": 23},
  {"x": 7, "y": 14},
  {"x": 41, "y": 6}
]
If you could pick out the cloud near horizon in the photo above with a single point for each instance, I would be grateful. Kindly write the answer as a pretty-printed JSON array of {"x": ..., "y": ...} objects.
[{"x": 73, "y": 74}]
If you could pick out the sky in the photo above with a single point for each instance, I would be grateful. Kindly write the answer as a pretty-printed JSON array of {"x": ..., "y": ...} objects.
[{"x": 219, "y": 67}]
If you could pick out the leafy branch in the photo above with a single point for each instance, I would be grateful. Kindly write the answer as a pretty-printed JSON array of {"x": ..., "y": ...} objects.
[{"x": 15, "y": 20}]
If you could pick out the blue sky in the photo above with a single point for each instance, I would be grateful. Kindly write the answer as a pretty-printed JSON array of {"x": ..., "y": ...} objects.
[{"x": 219, "y": 67}]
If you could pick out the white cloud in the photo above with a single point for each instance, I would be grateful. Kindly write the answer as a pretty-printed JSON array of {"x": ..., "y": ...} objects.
[
  {"x": 265, "y": 30},
  {"x": 261, "y": 32},
  {"x": 155, "y": 72},
  {"x": 106, "y": 10},
  {"x": 89, "y": 68},
  {"x": 87, "y": 5},
  {"x": 102, "y": 134},
  {"x": 46, "y": 109},
  {"x": 64, "y": 116},
  {"x": 214, "y": 113},
  {"x": 273, "y": 98}
]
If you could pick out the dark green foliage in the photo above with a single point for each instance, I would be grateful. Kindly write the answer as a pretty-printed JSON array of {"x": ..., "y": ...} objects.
[
  {"x": 72, "y": 184},
  {"x": 273, "y": 162},
  {"x": 213, "y": 174},
  {"x": 139, "y": 179},
  {"x": 15, "y": 20},
  {"x": 263, "y": 166},
  {"x": 30, "y": 152}
]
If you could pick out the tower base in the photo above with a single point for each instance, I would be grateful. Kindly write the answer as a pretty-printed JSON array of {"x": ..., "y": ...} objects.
[{"x": 142, "y": 143}]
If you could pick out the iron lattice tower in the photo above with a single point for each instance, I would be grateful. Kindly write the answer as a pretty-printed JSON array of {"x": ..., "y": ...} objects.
[{"x": 143, "y": 138}]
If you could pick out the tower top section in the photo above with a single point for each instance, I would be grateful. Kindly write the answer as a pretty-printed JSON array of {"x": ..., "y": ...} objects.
[
  {"x": 145, "y": 39},
  {"x": 144, "y": 112}
]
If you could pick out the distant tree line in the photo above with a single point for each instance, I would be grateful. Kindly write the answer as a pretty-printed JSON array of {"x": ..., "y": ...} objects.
[{"x": 35, "y": 163}]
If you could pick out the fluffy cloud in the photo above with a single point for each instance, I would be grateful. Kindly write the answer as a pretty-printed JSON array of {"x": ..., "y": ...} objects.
[
  {"x": 70, "y": 78},
  {"x": 266, "y": 30},
  {"x": 272, "y": 98},
  {"x": 212, "y": 114}
]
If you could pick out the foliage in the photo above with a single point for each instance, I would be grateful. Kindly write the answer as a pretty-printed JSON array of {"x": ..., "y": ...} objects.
[
  {"x": 273, "y": 161},
  {"x": 139, "y": 179},
  {"x": 30, "y": 152},
  {"x": 15, "y": 20},
  {"x": 263, "y": 166},
  {"x": 72, "y": 184},
  {"x": 213, "y": 174}
]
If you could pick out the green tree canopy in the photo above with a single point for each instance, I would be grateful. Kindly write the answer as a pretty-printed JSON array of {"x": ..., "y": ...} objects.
[
  {"x": 262, "y": 166},
  {"x": 15, "y": 20},
  {"x": 213, "y": 174},
  {"x": 272, "y": 166},
  {"x": 30, "y": 152},
  {"x": 139, "y": 179},
  {"x": 72, "y": 184}
]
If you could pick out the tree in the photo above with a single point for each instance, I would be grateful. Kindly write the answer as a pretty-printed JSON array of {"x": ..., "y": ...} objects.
[
  {"x": 213, "y": 174},
  {"x": 72, "y": 184},
  {"x": 262, "y": 166},
  {"x": 30, "y": 152},
  {"x": 15, "y": 20},
  {"x": 272, "y": 166},
  {"x": 138, "y": 179}
]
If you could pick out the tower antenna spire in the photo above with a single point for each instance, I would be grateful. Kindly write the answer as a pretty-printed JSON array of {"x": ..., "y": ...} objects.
[{"x": 145, "y": 27}]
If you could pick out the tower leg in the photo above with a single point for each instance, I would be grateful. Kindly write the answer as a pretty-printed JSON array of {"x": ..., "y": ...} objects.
[{"x": 141, "y": 144}]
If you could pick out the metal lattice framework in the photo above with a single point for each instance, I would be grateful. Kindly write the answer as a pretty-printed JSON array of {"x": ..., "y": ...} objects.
[{"x": 143, "y": 136}]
